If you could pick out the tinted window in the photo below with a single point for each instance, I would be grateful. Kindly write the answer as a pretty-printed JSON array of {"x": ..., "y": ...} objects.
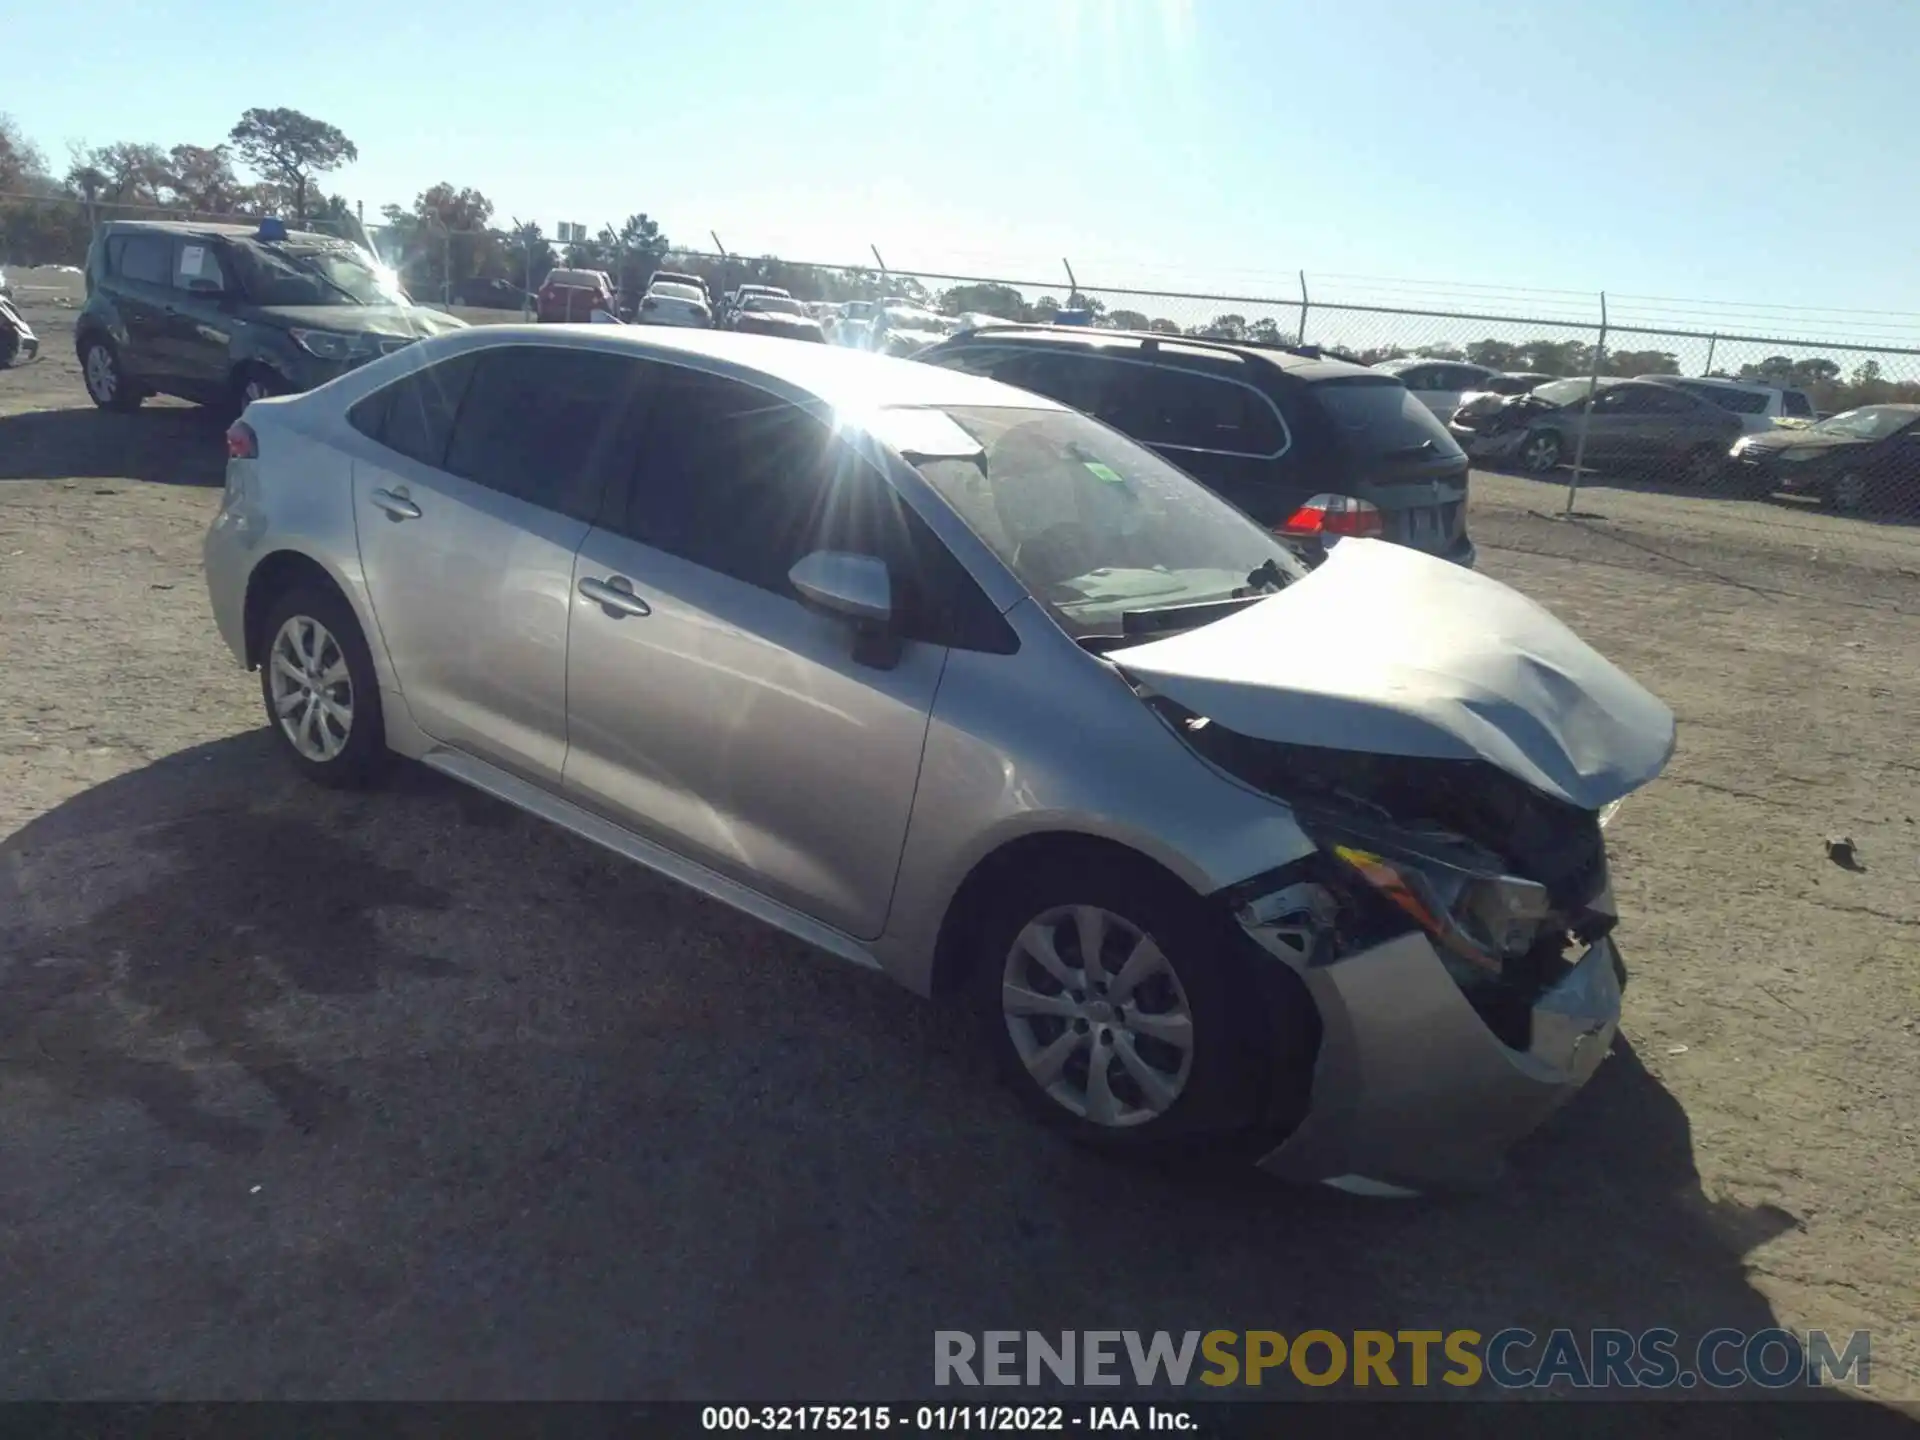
[
  {"x": 147, "y": 259},
  {"x": 740, "y": 482},
  {"x": 1380, "y": 417},
  {"x": 1668, "y": 402},
  {"x": 415, "y": 416},
  {"x": 1793, "y": 402},
  {"x": 1740, "y": 402},
  {"x": 1105, "y": 389},
  {"x": 1460, "y": 377},
  {"x": 1192, "y": 411},
  {"x": 197, "y": 266},
  {"x": 1623, "y": 400},
  {"x": 1421, "y": 377},
  {"x": 539, "y": 423}
]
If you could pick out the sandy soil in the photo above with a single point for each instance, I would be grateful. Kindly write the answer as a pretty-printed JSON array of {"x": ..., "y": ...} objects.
[{"x": 407, "y": 1095}]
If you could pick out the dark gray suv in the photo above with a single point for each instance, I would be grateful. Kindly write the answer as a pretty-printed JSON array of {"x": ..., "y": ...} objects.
[
  {"x": 1311, "y": 448},
  {"x": 226, "y": 314}
]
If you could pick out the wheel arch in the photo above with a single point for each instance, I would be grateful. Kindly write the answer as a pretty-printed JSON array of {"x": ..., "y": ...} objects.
[
  {"x": 274, "y": 576},
  {"x": 967, "y": 910}
]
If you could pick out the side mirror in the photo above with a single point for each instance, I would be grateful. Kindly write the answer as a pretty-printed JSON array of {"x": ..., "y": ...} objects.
[{"x": 852, "y": 587}]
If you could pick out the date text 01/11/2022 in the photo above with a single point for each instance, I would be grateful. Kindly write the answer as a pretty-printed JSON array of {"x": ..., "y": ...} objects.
[{"x": 946, "y": 1419}]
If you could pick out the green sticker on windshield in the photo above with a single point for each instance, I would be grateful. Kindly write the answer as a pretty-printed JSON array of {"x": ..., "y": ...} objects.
[{"x": 1104, "y": 472}]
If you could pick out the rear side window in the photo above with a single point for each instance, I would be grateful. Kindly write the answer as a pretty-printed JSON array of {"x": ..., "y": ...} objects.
[
  {"x": 540, "y": 422},
  {"x": 1740, "y": 402},
  {"x": 1794, "y": 402},
  {"x": 415, "y": 416},
  {"x": 1380, "y": 418},
  {"x": 1186, "y": 410},
  {"x": 147, "y": 259},
  {"x": 1105, "y": 389}
]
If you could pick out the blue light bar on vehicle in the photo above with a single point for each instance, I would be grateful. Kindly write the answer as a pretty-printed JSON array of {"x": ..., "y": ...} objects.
[{"x": 271, "y": 229}]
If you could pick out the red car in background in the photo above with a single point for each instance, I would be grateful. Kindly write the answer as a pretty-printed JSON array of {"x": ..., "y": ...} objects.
[{"x": 571, "y": 296}]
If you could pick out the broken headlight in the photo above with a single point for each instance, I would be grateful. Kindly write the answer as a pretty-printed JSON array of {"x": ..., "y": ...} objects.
[{"x": 1477, "y": 919}]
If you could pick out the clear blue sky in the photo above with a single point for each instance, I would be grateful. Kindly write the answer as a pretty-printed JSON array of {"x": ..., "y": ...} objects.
[{"x": 1736, "y": 150}]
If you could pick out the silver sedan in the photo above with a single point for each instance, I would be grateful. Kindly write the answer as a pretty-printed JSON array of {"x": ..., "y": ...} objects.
[{"x": 963, "y": 686}]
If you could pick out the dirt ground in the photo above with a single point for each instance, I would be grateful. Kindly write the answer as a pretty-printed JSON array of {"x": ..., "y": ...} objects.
[{"x": 407, "y": 1095}]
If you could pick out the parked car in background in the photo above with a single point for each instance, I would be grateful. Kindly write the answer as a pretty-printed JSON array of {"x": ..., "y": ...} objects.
[
  {"x": 227, "y": 314},
  {"x": 905, "y": 329},
  {"x": 673, "y": 302},
  {"x": 850, "y": 322},
  {"x": 1313, "y": 449},
  {"x": 1861, "y": 459},
  {"x": 1760, "y": 407},
  {"x": 739, "y": 296},
  {"x": 950, "y": 682},
  {"x": 776, "y": 315},
  {"x": 17, "y": 340},
  {"x": 1438, "y": 384},
  {"x": 1495, "y": 388},
  {"x": 1633, "y": 424},
  {"x": 6, "y": 285},
  {"x": 571, "y": 296},
  {"x": 480, "y": 294},
  {"x": 681, "y": 277}
]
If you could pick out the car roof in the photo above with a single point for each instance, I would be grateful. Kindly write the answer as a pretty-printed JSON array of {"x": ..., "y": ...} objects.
[
  {"x": 841, "y": 377},
  {"x": 1301, "y": 363},
  {"x": 212, "y": 227}
]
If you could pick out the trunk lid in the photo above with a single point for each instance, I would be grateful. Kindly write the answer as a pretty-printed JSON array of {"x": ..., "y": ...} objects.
[{"x": 1387, "y": 651}]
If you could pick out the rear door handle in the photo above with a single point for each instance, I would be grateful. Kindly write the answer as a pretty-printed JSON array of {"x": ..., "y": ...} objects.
[
  {"x": 397, "y": 506},
  {"x": 615, "y": 596}
]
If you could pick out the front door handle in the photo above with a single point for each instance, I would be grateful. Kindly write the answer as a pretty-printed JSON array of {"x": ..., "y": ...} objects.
[
  {"x": 396, "y": 504},
  {"x": 615, "y": 596}
]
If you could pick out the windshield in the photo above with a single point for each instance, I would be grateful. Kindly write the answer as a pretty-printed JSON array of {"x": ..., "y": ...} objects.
[
  {"x": 1382, "y": 417},
  {"x": 312, "y": 274},
  {"x": 1873, "y": 422},
  {"x": 674, "y": 291},
  {"x": 1095, "y": 526},
  {"x": 773, "y": 305}
]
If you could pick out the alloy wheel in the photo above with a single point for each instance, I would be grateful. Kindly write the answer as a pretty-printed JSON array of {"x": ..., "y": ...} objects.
[
  {"x": 1849, "y": 492},
  {"x": 1541, "y": 452},
  {"x": 103, "y": 379},
  {"x": 310, "y": 689},
  {"x": 1097, "y": 1015}
]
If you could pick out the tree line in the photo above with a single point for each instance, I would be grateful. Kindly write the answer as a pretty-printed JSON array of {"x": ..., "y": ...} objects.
[{"x": 451, "y": 235}]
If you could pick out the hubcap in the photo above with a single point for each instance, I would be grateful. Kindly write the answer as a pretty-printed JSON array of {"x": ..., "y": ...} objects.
[
  {"x": 1542, "y": 452},
  {"x": 1097, "y": 1015},
  {"x": 100, "y": 377},
  {"x": 312, "y": 691},
  {"x": 1849, "y": 492}
]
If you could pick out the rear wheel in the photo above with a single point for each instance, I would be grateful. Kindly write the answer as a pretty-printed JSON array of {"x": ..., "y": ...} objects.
[
  {"x": 1848, "y": 493},
  {"x": 1540, "y": 452},
  {"x": 1117, "y": 1012},
  {"x": 107, "y": 383},
  {"x": 321, "y": 694},
  {"x": 1701, "y": 465}
]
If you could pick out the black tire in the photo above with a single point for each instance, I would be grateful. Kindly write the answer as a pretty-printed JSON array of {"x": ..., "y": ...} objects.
[
  {"x": 106, "y": 382},
  {"x": 1238, "y": 1043},
  {"x": 1702, "y": 465},
  {"x": 1541, "y": 452},
  {"x": 363, "y": 760},
  {"x": 256, "y": 382},
  {"x": 9, "y": 344},
  {"x": 1848, "y": 493}
]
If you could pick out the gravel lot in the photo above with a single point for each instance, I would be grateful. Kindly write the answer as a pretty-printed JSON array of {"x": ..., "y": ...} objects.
[{"x": 307, "y": 1095}]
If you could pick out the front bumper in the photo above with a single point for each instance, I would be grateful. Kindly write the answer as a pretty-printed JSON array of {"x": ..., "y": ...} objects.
[
  {"x": 1412, "y": 1090},
  {"x": 1501, "y": 446}
]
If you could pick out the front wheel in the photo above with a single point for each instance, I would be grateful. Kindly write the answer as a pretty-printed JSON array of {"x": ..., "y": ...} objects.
[
  {"x": 1540, "y": 452},
  {"x": 1848, "y": 492},
  {"x": 107, "y": 383},
  {"x": 321, "y": 694},
  {"x": 1117, "y": 1012}
]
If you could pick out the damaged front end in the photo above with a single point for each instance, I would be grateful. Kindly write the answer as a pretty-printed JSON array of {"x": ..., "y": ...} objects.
[{"x": 1453, "y": 929}]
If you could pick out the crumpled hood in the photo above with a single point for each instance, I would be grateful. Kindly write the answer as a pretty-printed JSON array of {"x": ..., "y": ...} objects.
[
  {"x": 1773, "y": 441},
  {"x": 1389, "y": 651}
]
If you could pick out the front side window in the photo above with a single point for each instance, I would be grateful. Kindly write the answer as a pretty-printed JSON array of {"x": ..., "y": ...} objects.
[
  {"x": 197, "y": 268},
  {"x": 316, "y": 272},
  {"x": 540, "y": 423},
  {"x": 1096, "y": 527},
  {"x": 1669, "y": 402}
]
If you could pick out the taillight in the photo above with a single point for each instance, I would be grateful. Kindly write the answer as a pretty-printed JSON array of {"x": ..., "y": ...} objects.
[
  {"x": 242, "y": 443},
  {"x": 1334, "y": 515}
]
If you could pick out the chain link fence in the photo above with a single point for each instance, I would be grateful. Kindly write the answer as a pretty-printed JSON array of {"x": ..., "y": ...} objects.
[{"x": 1730, "y": 378}]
